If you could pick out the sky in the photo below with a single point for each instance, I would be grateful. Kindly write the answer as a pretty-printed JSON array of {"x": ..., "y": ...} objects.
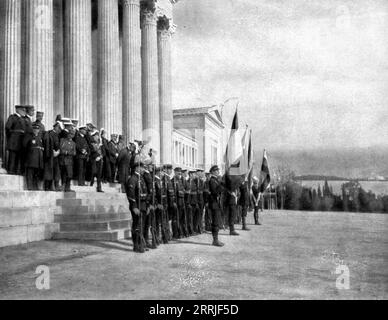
[{"x": 307, "y": 73}]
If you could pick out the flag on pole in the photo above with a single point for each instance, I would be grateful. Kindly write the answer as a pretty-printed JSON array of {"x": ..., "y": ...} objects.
[
  {"x": 234, "y": 150},
  {"x": 265, "y": 175}
]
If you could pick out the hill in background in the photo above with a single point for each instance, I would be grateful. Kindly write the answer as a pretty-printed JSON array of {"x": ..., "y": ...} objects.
[{"x": 345, "y": 163}]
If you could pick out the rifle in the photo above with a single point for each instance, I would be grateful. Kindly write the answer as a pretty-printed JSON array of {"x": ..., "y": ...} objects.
[
  {"x": 141, "y": 240},
  {"x": 152, "y": 214},
  {"x": 177, "y": 210}
]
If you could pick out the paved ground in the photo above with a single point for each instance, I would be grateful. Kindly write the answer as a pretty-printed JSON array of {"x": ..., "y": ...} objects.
[{"x": 292, "y": 256}]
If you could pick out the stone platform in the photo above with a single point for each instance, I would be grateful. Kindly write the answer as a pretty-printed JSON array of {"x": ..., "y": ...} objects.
[{"x": 27, "y": 216}]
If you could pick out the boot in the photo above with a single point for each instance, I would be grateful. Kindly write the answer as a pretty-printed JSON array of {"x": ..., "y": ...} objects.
[
  {"x": 217, "y": 243},
  {"x": 244, "y": 224},
  {"x": 233, "y": 232},
  {"x": 256, "y": 216}
]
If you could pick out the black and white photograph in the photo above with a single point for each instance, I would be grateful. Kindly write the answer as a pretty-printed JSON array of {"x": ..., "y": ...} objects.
[{"x": 194, "y": 150}]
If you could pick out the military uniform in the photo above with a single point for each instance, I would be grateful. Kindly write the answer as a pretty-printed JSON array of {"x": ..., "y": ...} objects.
[
  {"x": 34, "y": 161},
  {"x": 52, "y": 170},
  {"x": 173, "y": 214},
  {"x": 180, "y": 192},
  {"x": 257, "y": 202},
  {"x": 39, "y": 123},
  {"x": 136, "y": 191},
  {"x": 150, "y": 222},
  {"x": 244, "y": 203},
  {"x": 231, "y": 206},
  {"x": 123, "y": 162},
  {"x": 15, "y": 130},
  {"x": 215, "y": 190},
  {"x": 96, "y": 162},
  {"x": 112, "y": 156},
  {"x": 66, "y": 159},
  {"x": 206, "y": 198},
  {"x": 83, "y": 153},
  {"x": 201, "y": 205},
  {"x": 162, "y": 225},
  {"x": 193, "y": 215}
]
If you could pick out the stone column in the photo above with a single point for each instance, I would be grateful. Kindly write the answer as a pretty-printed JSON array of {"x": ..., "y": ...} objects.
[
  {"x": 150, "y": 82},
  {"x": 109, "y": 73},
  {"x": 11, "y": 64},
  {"x": 165, "y": 90},
  {"x": 59, "y": 85},
  {"x": 132, "y": 107},
  {"x": 38, "y": 68},
  {"x": 78, "y": 60}
]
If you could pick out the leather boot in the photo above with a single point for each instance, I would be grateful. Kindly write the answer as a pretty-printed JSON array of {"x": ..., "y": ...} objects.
[
  {"x": 244, "y": 224},
  {"x": 216, "y": 242},
  {"x": 256, "y": 216},
  {"x": 233, "y": 232}
]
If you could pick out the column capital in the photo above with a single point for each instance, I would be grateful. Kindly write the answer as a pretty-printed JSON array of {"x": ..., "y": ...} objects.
[
  {"x": 148, "y": 17},
  {"x": 165, "y": 27},
  {"x": 127, "y": 3}
]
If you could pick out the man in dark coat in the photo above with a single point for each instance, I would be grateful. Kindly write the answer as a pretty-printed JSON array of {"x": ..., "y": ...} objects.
[
  {"x": 34, "y": 158},
  {"x": 112, "y": 156},
  {"x": 192, "y": 203},
  {"x": 51, "y": 145},
  {"x": 201, "y": 200},
  {"x": 256, "y": 200},
  {"x": 83, "y": 152},
  {"x": 244, "y": 203},
  {"x": 180, "y": 201},
  {"x": 106, "y": 176},
  {"x": 96, "y": 160},
  {"x": 14, "y": 131},
  {"x": 123, "y": 164},
  {"x": 136, "y": 191},
  {"x": 206, "y": 196},
  {"x": 172, "y": 206},
  {"x": 215, "y": 189},
  {"x": 66, "y": 159},
  {"x": 231, "y": 205},
  {"x": 38, "y": 121}
]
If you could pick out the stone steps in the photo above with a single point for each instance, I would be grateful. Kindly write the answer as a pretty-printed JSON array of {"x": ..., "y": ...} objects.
[
  {"x": 92, "y": 217},
  {"x": 95, "y": 225},
  {"x": 114, "y": 235}
]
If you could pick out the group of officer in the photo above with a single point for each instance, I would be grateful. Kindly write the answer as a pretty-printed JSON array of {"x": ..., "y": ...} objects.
[
  {"x": 62, "y": 153},
  {"x": 169, "y": 204},
  {"x": 165, "y": 202}
]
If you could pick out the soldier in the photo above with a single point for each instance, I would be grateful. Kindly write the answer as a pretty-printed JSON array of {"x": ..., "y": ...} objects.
[
  {"x": 121, "y": 144},
  {"x": 231, "y": 205},
  {"x": 38, "y": 121},
  {"x": 256, "y": 199},
  {"x": 34, "y": 158},
  {"x": 112, "y": 155},
  {"x": 66, "y": 158},
  {"x": 215, "y": 189},
  {"x": 192, "y": 204},
  {"x": 186, "y": 186},
  {"x": 244, "y": 203},
  {"x": 180, "y": 200},
  {"x": 201, "y": 200},
  {"x": 105, "y": 146},
  {"x": 206, "y": 195},
  {"x": 83, "y": 152},
  {"x": 150, "y": 223},
  {"x": 96, "y": 160},
  {"x": 162, "y": 208},
  {"x": 30, "y": 112},
  {"x": 173, "y": 214},
  {"x": 15, "y": 130},
  {"x": 51, "y": 145},
  {"x": 123, "y": 162},
  {"x": 136, "y": 191}
]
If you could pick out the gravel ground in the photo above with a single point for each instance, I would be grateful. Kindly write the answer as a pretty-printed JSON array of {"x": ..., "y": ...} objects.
[{"x": 293, "y": 255}]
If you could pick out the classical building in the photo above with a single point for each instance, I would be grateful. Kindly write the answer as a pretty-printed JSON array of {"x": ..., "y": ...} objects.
[
  {"x": 101, "y": 61},
  {"x": 198, "y": 139}
]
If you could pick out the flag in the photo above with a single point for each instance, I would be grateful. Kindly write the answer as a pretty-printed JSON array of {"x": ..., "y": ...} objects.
[
  {"x": 265, "y": 176},
  {"x": 234, "y": 150}
]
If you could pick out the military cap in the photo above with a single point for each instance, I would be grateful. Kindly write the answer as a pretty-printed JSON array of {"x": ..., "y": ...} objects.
[
  {"x": 82, "y": 128},
  {"x": 36, "y": 126},
  {"x": 91, "y": 125},
  {"x": 60, "y": 124},
  {"x": 18, "y": 106},
  {"x": 200, "y": 170},
  {"x": 29, "y": 107},
  {"x": 39, "y": 113},
  {"x": 167, "y": 166},
  {"x": 178, "y": 169},
  {"x": 158, "y": 169},
  {"x": 75, "y": 121},
  {"x": 94, "y": 132},
  {"x": 214, "y": 168},
  {"x": 192, "y": 171},
  {"x": 114, "y": 135},
  {"x": 184, "y": 170}
]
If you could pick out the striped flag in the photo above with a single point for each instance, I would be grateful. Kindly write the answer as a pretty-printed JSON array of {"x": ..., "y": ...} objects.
[
  {"x": 234, "y": 151},
  {"x": 265, "y": 176}
]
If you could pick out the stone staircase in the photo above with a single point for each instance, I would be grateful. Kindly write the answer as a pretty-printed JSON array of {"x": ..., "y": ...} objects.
[{"x": 27, "y": 216}]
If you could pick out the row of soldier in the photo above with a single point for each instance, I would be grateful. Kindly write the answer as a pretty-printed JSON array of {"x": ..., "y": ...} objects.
[
  {"x": 167, "y": 205},
  {"x": 63, "y": 153}
]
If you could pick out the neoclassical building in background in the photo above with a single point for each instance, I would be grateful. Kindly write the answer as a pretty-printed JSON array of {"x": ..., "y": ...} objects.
[{"x": 101, "y": 61}]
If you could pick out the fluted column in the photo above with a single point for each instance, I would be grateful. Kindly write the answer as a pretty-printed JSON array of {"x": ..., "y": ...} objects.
[
  {"x": 150, "y": 81},
  {"x": 11, "y": 65},
  {"x": 109, "y": 108},
  {"x": 38, "y": 76},
  {"x": 165, "y": 90},
  {"x": 78, "y": 60},
  {"x": 59, "y": 85},
  {"x": 132, "y": 106}
]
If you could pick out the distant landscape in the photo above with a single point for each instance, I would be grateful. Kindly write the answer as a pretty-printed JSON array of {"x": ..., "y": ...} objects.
[{"x": 336, "y": 164}]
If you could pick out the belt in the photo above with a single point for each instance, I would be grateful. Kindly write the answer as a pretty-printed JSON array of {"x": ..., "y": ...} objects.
[
  {"x": 40, "y": 148},
  {"x": 17, "y": 131}
]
